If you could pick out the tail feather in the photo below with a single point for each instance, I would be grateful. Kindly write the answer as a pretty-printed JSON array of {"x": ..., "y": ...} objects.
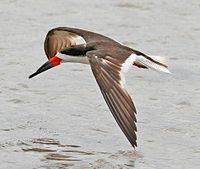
[{"x": 152, "y": 62}]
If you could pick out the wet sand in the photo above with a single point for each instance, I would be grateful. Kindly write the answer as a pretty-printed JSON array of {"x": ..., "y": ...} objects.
[{"x": 60, "y": 120}]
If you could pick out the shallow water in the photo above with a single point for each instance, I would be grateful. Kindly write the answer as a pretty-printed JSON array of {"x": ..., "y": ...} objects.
[{"x": 60, "y": 120}]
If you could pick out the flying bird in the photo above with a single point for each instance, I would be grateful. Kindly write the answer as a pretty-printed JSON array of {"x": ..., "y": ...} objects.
[{"x": 109, "y": 60}]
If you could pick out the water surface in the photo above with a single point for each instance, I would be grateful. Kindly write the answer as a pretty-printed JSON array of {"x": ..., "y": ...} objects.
[{"x": 60, "y": 120}]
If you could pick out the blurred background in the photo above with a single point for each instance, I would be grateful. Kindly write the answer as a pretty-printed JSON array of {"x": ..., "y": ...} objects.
[{"x": 60, "y": 120}]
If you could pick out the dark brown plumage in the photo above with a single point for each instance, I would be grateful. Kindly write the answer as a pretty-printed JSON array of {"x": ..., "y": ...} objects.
[
  {"x": 106, "y": 68},
  {"x": 108, "y": 60}
]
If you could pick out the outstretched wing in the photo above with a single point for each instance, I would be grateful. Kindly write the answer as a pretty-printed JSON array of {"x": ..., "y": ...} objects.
[
  {"x": 56, "y": 40},
  {"x": 63, "y": 37},
  {"x": 107, "y": 72}
]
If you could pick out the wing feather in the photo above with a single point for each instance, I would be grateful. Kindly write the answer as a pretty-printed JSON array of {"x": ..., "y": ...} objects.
[
  {"x": 62, "y": 37},
  {"x": 108, "y": 77},
  {"x": 57, "y": 40}
]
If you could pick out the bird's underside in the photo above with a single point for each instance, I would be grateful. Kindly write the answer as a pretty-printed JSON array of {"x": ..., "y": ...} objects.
[{"x": 108, "y": 60}]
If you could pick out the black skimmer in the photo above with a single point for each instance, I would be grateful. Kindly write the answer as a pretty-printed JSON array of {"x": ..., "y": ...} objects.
[{"x": 109, "y": 60}]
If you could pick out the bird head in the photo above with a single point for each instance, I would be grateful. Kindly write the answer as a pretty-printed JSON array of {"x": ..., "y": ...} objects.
[{"x": 53, "y": 62}]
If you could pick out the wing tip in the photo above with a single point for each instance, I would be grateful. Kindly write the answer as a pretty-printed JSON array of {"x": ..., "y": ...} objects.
[{"x": 134, "y": 144}]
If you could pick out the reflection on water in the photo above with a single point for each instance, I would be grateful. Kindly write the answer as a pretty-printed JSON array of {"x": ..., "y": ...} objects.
[
  {"x": 70, "y": 155},
  {"x": 52, "y": 149},
  {"x": 46, "y": 141},
  {"x": 37, "y": 150},
  {"x": 60, "y": 157}
]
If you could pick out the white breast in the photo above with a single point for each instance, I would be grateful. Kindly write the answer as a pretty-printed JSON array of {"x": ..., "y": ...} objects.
[
  {"x": 128, "y": 63},
  {"x": 74, "y": 59},
  {"x": 125, "y": 67}
]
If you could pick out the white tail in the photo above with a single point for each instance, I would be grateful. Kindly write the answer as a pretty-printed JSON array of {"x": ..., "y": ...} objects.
[{"x": 157, "y": 63}]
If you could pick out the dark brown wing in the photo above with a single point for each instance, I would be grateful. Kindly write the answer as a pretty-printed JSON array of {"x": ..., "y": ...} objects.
[
  {"x": 87, "y": 35},
  {"x": 56, "y": 40},
  {"x": 107, "y": 73},
  {"x": 62, "y": 37}
]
